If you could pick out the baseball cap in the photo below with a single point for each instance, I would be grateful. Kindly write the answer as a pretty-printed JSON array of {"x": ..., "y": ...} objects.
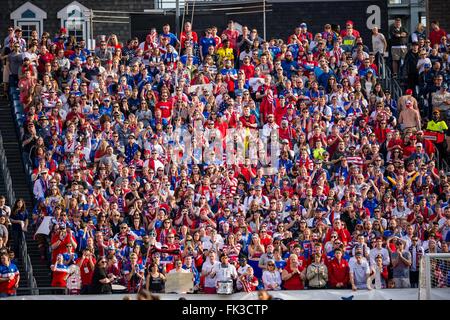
[
  {"x": 409, "y": 91},
  {"x": 303, "y": 25}
]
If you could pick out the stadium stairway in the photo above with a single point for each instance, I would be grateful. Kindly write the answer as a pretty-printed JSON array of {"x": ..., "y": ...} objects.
[{"x": 22, "y": 189}]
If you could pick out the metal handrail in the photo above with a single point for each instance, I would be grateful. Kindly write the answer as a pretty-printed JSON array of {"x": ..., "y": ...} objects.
[
  {"x": 396, "y": 92},
  {"x": 387, "y": 81},
  {"x": 10, "y": 194},
  {"x": 5, "y": 172}
]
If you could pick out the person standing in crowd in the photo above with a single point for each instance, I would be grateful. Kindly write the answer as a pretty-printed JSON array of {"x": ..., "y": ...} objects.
[
  {"x": 399, "y": 40},
  {"x": 101, "y": 281},
  {"x": 338, "y": 271},
  {"x": 9, "y": 277},
  {"x": 436, "y": 33},
  {"x": 359, "y": 273},
  {"x": 19, "y": 221},
  {"x": 317, "y": 273},
  {"x": 378, "y": 274},
  {"x": 379, "y": 43},
  {"x": 60, "y": 272},
  {"x": 401, "y": 263},
  {"x": 155, "y": 281},
  {"x": 271, "y": 277},
  {"x": 86, "y": 263}
]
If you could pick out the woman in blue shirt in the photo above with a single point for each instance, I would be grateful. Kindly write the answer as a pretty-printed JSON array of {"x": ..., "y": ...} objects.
[{"x": 19, "y": 220}]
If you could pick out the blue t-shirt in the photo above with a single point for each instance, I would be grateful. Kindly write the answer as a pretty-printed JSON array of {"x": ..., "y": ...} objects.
[
  {"x": 173, "y": 38},
  {"x": 205, "y": 43}
]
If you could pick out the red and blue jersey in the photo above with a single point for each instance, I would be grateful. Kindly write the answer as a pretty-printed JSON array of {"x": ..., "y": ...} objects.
[
  {"x": 9, "y": 287},
  {"x": 60, "y": 274}
]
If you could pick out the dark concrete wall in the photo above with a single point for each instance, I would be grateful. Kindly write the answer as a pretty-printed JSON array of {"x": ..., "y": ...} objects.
[
  {"x": 283, "y": 17},
  {"x": 52, "y": 23},
  {"x": 439, "y": 10},
  {"x": 280, "y": 21}
]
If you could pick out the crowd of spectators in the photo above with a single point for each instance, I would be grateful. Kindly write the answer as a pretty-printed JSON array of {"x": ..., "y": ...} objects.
[{"x": 284, "y": 162}]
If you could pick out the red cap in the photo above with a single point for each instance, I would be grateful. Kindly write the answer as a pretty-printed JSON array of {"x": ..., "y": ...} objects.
[
  {"x": 63, "y": 30},
  {"x": 409, "y": 91},
  {"x": 349, "y": 22}
]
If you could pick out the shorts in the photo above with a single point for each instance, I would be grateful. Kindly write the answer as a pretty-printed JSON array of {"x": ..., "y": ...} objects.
[
  {"x": 6, "y": 73},
  {"x": 398, "y": 53},
  {"x": 402, "y": 283}
]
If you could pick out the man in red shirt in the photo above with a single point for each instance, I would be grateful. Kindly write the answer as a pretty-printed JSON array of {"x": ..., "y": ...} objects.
[
  {"x": 247, "y": 170},
  {"x": 436, "y": 33},
  {"x": 349, "y": 30},
  {"x": 188, "y": 32},
  {"x": 338, "y": 271},
  {"x": 165, "y": 106},
  {"x": 60, "y": 239},
  {"x": 343, "y": 233},
  {"x": 248, "y": 67},
  {"x": 248, "y": 120},
  {"x": 231, "y": 34},
  {"x": 86, "y": 263}
]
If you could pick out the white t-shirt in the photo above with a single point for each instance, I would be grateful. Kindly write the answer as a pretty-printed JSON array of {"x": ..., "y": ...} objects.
[
  {"x": 401, "y": 214},
  {"x": 360, "y": 272},
  {"x": 225, "y": 274},
  {"x": 210, "y": 282},
  {"x": 384, "y": 253},
  {"x": 378, "y": 43},
  {"x": 271, "y": 278}
]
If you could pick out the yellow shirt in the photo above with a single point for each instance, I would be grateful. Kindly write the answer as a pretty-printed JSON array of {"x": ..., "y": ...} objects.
[
  {"x": 440, "y": 126},
  {"x": 225, "y": 53}
]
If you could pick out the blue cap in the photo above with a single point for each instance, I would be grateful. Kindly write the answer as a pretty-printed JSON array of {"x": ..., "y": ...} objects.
[{"x": 303, "y": 25}]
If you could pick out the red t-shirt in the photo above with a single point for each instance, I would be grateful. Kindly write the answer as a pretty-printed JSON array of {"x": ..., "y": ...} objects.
[
  {"x": 248, "y": 70},
  {"x": 436, "y": 36},
  {"x": 62, "y": 246},
  {"x": 295, "y": 282},
  {"x": 85, "y": 271},
  {"x": 183, "y": 38},
  {"x": 246, "y": 121},
  {"x": 166, "y": 109}
]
